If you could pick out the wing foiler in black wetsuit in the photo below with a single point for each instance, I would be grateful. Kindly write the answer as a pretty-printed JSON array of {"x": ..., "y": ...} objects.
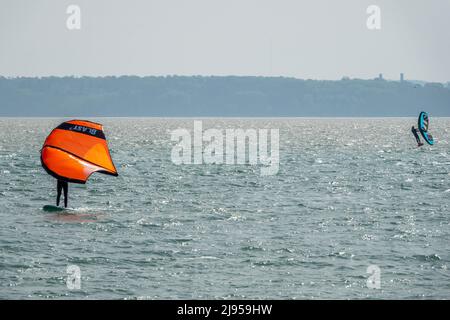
[
  {"x": 416, "y": 135},
  {"x": 62, "y": 185}
]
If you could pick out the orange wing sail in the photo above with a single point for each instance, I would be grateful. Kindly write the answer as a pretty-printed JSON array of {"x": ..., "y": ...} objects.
[{"x": 76, "y": 149}]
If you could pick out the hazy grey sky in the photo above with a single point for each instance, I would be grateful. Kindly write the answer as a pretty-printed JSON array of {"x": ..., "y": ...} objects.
[{"x": 317, "y": 39}]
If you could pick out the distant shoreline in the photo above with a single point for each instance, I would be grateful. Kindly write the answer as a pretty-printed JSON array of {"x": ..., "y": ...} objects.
[{"x": 232, "y": 96}]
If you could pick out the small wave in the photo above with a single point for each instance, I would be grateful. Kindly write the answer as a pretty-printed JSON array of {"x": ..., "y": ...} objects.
[
  {"x": 179, "y": 240},
  {"x": 252, "y": 248},
  {"x": 430, "y": 257},
  {"x": 143, "y": 222},
  {"x": 203, "y": 258}
]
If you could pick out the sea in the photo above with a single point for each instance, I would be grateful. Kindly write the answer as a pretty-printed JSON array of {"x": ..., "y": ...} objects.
[{"x": 355, "y": 211}]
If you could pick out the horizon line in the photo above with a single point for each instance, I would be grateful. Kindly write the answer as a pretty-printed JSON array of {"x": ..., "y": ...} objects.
[{"x": 344, "y": 78}]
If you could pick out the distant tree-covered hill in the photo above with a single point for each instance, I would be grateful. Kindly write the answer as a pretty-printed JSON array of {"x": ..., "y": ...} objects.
[{"x": 218, "y": 96}]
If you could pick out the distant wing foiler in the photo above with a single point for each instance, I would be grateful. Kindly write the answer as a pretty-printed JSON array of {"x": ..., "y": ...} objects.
[
  {"x": 76, "y": 149},
  {"x": 423, "y": 123}
]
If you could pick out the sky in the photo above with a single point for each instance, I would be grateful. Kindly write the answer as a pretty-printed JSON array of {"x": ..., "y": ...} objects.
[{"x": 315, "y": 39}]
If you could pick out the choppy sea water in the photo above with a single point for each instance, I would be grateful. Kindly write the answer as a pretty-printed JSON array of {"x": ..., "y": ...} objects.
[{"x": 350, "y": 193}]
